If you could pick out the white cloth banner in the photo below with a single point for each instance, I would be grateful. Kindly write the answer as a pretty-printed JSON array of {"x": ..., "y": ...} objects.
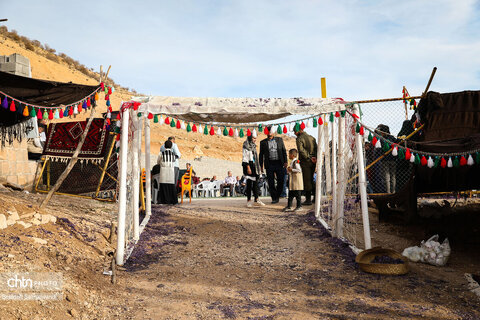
[{"x": 236, "y": 110}]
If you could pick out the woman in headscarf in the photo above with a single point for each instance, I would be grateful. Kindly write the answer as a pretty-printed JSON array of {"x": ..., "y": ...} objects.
[
  {"x": 251, "y": 170},
  {"x": 168, "y": 189}
]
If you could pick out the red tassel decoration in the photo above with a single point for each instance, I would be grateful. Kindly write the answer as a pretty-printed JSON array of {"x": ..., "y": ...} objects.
[
  {"x": 212, "y": 131},
  {"x": 135, "y": 105},
  {"x": 230, "y": 132},
  {"x": 178, "y": 124},
  {"x": 39, "y": 114},
  {"x": 320, "y": 121},
  {"x": 70, "y": 110},
  {"x": 102, "y": 86},
  {"x": 167, "y": 120},
  {"x": 107, "y": 97},
  {"x": 302, "y": 126},
  {"x": 249, "y": 133},
  {"x": 50, "y": 114},
  {"x": 194, "y": 128},
  {"x": 285, "y": 130},
  {"x": 150, "y": 116},
  {"x": 265, "y": 130},
  {"x": 374, "y": 141},
  {"x": 61, "y": 114},
  {"x": 423, "y": 161},
  {"x": 12, "y": 106},
  {"x": 362, "y": 131},
  {"x": 117, "y": 137},
  {"x": 463, "y": 161},
  {"x": 443, "y": 162},
  {"x": 407, "y": 154},
  {"x": 79, "y": 108},
  {"x": 337, "y": 114},
  {"x": 89, "y": 104},
  {"x": 109, "y": 90},
  {"x": 118, "y": 116}
]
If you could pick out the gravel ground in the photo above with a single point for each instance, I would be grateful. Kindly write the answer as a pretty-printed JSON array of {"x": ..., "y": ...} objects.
[{"x": 217, "y": 259}]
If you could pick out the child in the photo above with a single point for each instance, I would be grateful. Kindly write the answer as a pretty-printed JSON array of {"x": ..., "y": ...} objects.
[{"x": 295, "y": 184}]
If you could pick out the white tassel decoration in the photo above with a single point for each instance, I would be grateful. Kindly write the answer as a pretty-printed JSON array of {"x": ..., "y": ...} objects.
[
  {"x": 236, "y": 133},
  {"x": 219, "y": 132},
  {"x": 182, "y": 125},
  {"x": 254, "y": 133},
  {"x": 449, "y": 162},
  {"x": 430, "y": 162},
  {"x": 470, "y": 161},
  {"x": 412, "y": 158},
  {"x": 378, "y": 144},
  {"x": 199, "y": 129},
  {"x": 395, "y": 152}
]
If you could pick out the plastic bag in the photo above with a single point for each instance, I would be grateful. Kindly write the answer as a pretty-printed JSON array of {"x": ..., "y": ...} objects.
[{"x": 430, "y": 251}]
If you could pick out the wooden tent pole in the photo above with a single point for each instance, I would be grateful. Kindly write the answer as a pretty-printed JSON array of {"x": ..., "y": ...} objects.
[
  {"x": 74, "y": 157},
  {"x": 429, "y": 81},
  {"x": 104, "y": 169}
]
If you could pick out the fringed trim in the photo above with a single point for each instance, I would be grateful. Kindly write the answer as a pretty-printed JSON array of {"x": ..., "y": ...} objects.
[
  {"x": 16, "y": 132},
  {"x": 80, "y": 160}
]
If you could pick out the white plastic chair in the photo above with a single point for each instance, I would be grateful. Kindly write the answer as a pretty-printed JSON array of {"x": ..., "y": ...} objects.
[
  {"x": 215, "y": 186},
  {"x": 202, "y": 189}
]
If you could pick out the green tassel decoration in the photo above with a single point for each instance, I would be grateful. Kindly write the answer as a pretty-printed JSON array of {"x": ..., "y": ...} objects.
[
  {"x": 456, "y": 162},
  {"x": 332, "y": 118},
  {"x": 279, "y": 129},
  {"x": 240, "y": 134},
  {"x": 45, "y": 115},
  {"x": 155, "y": 118},
  {"x": 401, "y": 154},
  {"x": 189, "y": 128},
  {"x": 33, "y": 113},
  {"x": 225, "y": 131},
  {"x": 342, "y": 113},
  {"x": 205, "y": 130},
  {"x": 357, "y": 128},
  {"x": 297, "y": 127},
  {"x": 172, "y": 123},
  {"x": 385, "y": 146},
  {"x": 260, "y": 128},
  {"x": 139, "y": 114},
  {"x": 417, "y": 159},
  {"x": 436, "y": 161},
  {"x": 370, "y": 137},
  {"x": 315, "y": 122}
]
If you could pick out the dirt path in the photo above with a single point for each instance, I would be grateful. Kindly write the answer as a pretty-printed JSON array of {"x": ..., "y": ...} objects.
[{"x": 219, "y": 259}]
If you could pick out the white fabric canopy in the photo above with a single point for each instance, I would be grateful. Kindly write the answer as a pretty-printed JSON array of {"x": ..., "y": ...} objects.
[{"x": 237, "y": 110}]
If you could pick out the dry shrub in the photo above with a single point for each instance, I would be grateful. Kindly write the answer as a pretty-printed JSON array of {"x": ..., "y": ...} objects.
[{"x": 52, "y": 56}]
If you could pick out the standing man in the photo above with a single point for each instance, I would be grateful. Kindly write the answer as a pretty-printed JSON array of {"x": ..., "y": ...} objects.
[
  {"x": 307, "y": 153},
  {"x": 176, "y": 153},
  {"x": 273, "y": 156}
]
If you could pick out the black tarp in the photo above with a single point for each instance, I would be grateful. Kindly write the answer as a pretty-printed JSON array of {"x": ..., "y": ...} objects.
[{"x": 36, "y": 92}]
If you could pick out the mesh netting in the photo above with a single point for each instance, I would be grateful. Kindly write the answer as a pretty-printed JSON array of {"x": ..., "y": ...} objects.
[{"x": 389, "y": 174}]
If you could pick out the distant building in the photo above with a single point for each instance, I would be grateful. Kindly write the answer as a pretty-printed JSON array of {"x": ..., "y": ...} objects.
[{"x": 16, "y": 64}]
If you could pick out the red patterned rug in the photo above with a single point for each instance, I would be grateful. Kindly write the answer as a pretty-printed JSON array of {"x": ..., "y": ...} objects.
[{"x": 63, "y": 138}]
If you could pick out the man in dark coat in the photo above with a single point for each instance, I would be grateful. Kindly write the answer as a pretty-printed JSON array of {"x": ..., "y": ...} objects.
[
  {"x": 307, "y": 154},
  {"x": 273, "y": 156}
]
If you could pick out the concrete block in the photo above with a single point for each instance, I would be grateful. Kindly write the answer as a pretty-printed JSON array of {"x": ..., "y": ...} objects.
[
  {"x": 3, "y": 221},
  {"x": 22, "y": 180},
  {"x": 12, "y": 179}
]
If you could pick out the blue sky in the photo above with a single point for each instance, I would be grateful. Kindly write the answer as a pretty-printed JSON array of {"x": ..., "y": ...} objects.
[{"x": 365, "y": 49}]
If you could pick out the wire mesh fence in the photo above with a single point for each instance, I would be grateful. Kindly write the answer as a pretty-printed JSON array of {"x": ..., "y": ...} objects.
[
  {"x": 85, "y": 178},
  {"x": 391, "y": 119}
]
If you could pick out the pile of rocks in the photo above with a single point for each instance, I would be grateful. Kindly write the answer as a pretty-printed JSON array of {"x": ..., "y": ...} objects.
[{"x": 27, "y": 220}]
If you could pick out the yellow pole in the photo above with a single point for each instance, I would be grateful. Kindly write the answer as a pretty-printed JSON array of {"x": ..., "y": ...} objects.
[
  {"x": 324, "y": 87},
  {"x": 104, "y": 170}
]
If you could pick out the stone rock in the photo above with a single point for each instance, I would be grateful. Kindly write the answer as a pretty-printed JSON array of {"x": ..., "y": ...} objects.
[
  {"x": 73, "y": 313},
  {"x": 13, "y": 186},
  {"x": 37, "y": 216},
  {"x": 10, "y": 221},
  {"x": 53, "y": 219},
  {"x": 12, "y": 214},
  {"x": 3, "y": 221},
  {"x": 39, "y": 240},
  {"x": 197, "y": 150},
  {"x": 4, "y": 190},
  {"x": 35, "y": 221},
  {"x": 24, "y": 224},
  {"x": 46, "y": 218}
]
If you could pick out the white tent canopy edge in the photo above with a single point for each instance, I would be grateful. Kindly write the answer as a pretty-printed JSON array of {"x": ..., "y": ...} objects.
[{"x": 218, "y": 110}]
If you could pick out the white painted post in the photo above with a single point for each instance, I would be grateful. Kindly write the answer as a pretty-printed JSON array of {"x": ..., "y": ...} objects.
[
  {"x": 362, "y": 187},
  {"x": 318, "y": 183},
  {"x": 148, "y": 176},
  {"x": 341, "y": 176},
  {"x": 136, "y": 179},
  {"x": 334, "y": 181},
  {"x": 122, "y": 198},
  {"x": 328, "y": 166}
]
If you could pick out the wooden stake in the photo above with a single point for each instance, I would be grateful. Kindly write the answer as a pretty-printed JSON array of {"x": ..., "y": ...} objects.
[{"x": 74, "y": 157}]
